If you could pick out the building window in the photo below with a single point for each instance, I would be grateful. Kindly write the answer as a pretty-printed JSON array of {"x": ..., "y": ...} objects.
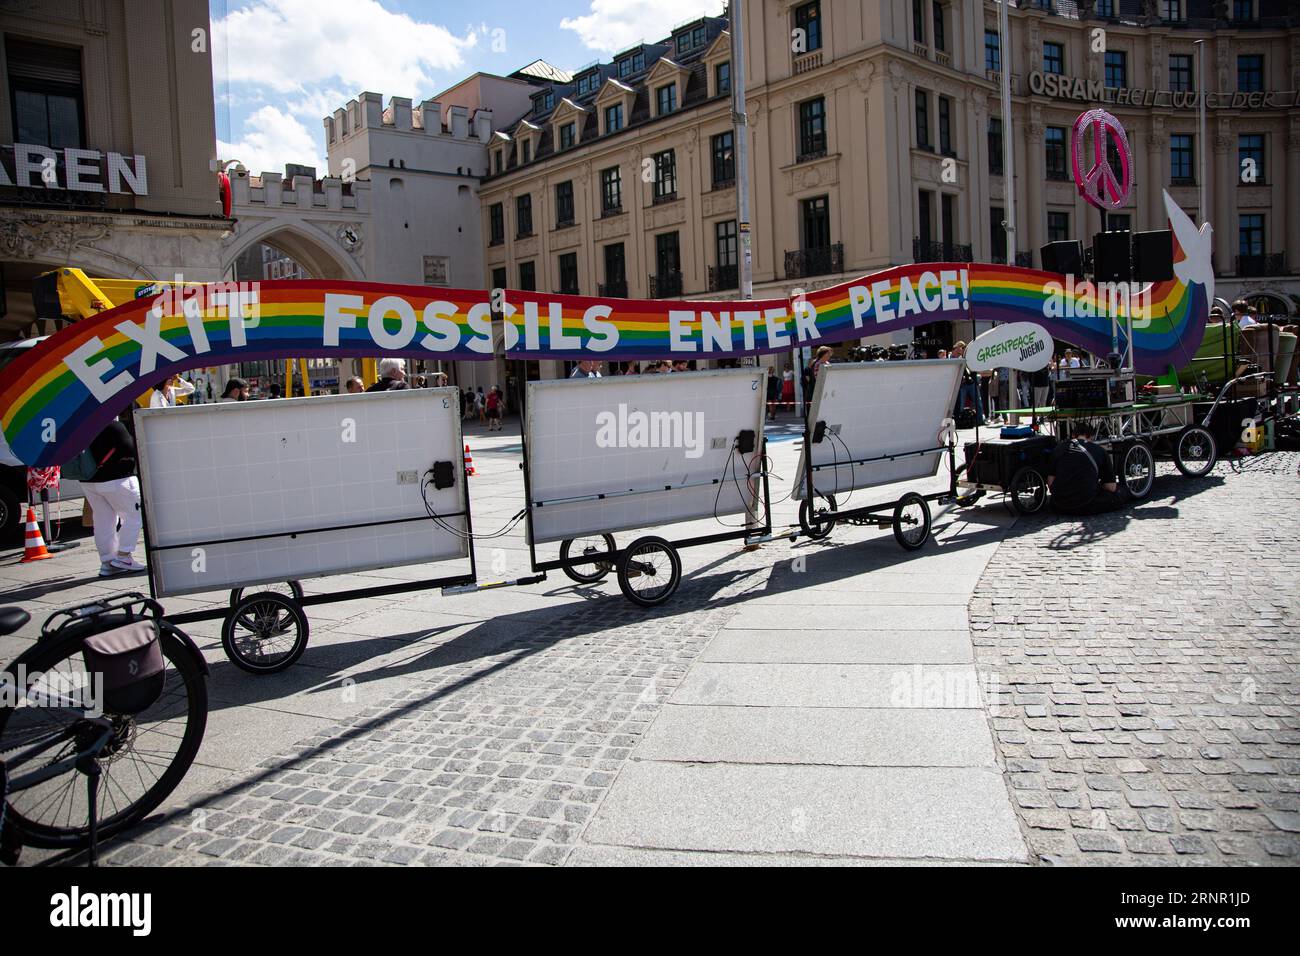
[
  {"x": 940, "y": 34},
  {"x": 668, "y": 260},
  {"x": 997, "y": 234},
  {"x": 1116, "y": 69},
  {"x": 614, "y": 118},
  {"x": 995, "y": 145},
  {"x": 499, "y": 279},
  {"x": 437, "y": 270},
  {"x": 812, "y": 128},
  {"x": 587, "y": 84},
  {"x": 925, "y": 217},
  {"x": 923, "y": 120},
  {"x": 631, "y": 64},
  {"x": 808, "y": 18},
  {"x": 1054, "y": 151},
  {"x": 918, "y": 22},
  {"x": 1250, "y": 158},
  {"x": 528, "y": 276},
  {"x": 815, "y": 217},
  {"x": 665, "y": 183},
  {"x": 1119, "y": 222},
  {"x": 724, "y": 160},
  {"x": 691, "y": 39},
  {"x": 547, "y": 101},
  {"x": 1180, "y": 159},
  {"x": 564, "y": 203},
  {"x": 569, "y": 273},
  {"x": 1053, "y": 57},
  {"x": 615, "y": 266},
  {"x": 567, "y": 132},
  {"x": 497, "y": 160},
  {"x": 1058, "y": 226},
  {"x": 945, "y": 126},
  {"x": 1171, "y": 11},
  {"x": 722, "y": 78},
  {"x": 725, "y": 244},
  {"x": 496, "y": 224},
  {"x": 1250, "y": 72},
  {"x": 1180, "y": 72},
  {"x": 45, "y": 94},
  {"x": 524, "y": 215},
  {"x": 666, "y": 99},
  {"x": 1243, "y": 10},
  {"x": 1250, "y": 235},
  {"x": 1106, "y": 9},
  {"x": 527, "y": 151},
  {"x": 611, "y": 190},
  {"x": 992, "y": 51}
]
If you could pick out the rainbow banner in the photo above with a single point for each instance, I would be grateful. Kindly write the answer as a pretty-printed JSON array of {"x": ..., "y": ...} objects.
[{"x": 59, "y": 395}]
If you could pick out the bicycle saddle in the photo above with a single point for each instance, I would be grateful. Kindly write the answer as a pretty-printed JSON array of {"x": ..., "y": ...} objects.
[{"x": 12, "y": 618}]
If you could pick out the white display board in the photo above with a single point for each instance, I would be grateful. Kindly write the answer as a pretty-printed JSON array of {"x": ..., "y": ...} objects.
[
  {"x": 659, "y": 447},
  {"x": 875, "y": 409},
  {"x": 275, "y": 473}
]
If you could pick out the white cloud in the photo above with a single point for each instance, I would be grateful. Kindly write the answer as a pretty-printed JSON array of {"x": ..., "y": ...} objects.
[
  {"x": 614, "y": 25},
  {"x": 293, "y": 46},
  {"x": 272, "y": 138}
]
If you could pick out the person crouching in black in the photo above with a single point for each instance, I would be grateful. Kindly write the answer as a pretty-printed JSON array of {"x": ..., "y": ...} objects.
[{"x": 1081, "y": 477}]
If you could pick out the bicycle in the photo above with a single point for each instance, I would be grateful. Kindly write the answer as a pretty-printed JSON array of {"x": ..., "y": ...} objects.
[{"x": 61, "y": 719}]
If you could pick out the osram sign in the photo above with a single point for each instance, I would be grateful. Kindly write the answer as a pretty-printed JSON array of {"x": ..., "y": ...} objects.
[{"x": 1020, "y": 345}]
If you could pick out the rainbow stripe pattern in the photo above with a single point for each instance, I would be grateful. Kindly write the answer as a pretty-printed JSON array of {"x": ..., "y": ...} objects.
[{"x": 55, "y": 398}]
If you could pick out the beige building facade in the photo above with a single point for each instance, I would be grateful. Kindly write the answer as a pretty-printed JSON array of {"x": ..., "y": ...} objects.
[
  {"x": 876, "y": 141},
  {"x": 107, "y": 133}
]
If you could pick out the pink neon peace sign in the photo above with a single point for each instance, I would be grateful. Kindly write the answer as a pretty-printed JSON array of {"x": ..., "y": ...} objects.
[{"x": 1102, "y": 186}]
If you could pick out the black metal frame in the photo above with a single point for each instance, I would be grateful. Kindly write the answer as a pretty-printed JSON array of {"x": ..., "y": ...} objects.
[
  {"x": 351, "y": 594},
  {"x": 618, "y": 554},
  {"x": 872, "y": 514}
]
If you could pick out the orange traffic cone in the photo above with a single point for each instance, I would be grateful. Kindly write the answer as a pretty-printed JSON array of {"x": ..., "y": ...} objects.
[
  {"x": 34, "y": 544},
  {"x": 469, "y": 462}
]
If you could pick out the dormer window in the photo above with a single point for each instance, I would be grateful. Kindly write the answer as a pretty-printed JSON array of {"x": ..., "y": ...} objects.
[
  {"x": 631, "y": 64},
  {"x": 722, "y": 79},
  {"x": 498, "y": 160},
  {"x": 545, "y": 102},
  {"x": 666, "y": 99},
  {"x": 588, "y": 84},
  {"x": 691, "y": 39},
  {"x": 528, "y": 151},
  {"x": 568, "y": 135},
  {"x": 613, "y": 118}
]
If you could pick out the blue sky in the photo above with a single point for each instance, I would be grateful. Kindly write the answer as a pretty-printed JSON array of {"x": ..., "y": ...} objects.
[{"x": 280, "y": 65}]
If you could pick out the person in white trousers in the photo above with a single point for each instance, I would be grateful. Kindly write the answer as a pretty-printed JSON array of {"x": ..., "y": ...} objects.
[{"x": 114, "y": 496}]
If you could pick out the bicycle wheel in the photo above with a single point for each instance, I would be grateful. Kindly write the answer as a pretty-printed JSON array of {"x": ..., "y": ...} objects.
[
  {"x": 1138, "y": 470},
  {"x": 265, "y": 633},
  {"x": 146, "y": 758},
  {"x": 649, "y": 572},
  {"x": 818, "y": 525},
  {"x": 911, "y": 521},
  {"x": 1027, "y": 491},
  {"x": 1195, "y": 452},
  {"x": 595, "y": 546}
]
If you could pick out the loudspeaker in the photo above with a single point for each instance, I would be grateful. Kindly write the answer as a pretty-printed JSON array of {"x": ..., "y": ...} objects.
[
  {"x": 1153, "y": 256},
  {"x": 1065, "y": 257},
  {"x": 1111, "y": 256}
]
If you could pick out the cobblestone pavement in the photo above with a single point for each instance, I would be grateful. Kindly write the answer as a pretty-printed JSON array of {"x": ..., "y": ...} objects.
[
  {"x": 501, "y": 755},
  {"x": 1148, "y": 699}
]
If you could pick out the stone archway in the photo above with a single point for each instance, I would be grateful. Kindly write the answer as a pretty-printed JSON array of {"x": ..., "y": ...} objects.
[{"x": 309, "y": 247}]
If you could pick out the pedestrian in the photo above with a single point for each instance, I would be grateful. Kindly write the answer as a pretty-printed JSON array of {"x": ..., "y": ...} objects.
[
  {"x": 494, "y": 409},
  {"x": 480, "y": 406},
  {"x": 166, "y": 392},
  {"x": 943, "y": 353},
  {"x": 113, "y": 493},
  {"x": 392, "y": 376},
  {"x": 355, "y": 386},
  {"x": 1243, "y": 313},
  {"x": 276, "y": 391},
  {"x": 1041, "y": 382},
  {"x": 773, "y": 392},
  {"x": 823, "y": 358},
  {"x": 970, "y": 390},
  {"x": 236, "y": 391},
  {"x": 1081, "y": 476},
  {"x": 681, "y": 365},
  {"x": 787, "y": 386}
]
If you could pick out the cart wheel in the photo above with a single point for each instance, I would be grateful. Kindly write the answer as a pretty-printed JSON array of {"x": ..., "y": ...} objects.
[
  {"x": 1195, "y": 451},
  {"x": 911, "y": 521},
  {"x": 265, "y": 632},
  {"x": 599, "y": 545},
  {"x": 820, "y": 526},
  {"x": 292, "y": 588},
  {"x": 1138, "y": 469},
  {"x": 1027, "y": 492},
  {"x": 649, "y": 571}
]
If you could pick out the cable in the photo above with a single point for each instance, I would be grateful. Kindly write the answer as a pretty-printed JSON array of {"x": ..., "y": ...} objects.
[{"x": 438, "y": 519}]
